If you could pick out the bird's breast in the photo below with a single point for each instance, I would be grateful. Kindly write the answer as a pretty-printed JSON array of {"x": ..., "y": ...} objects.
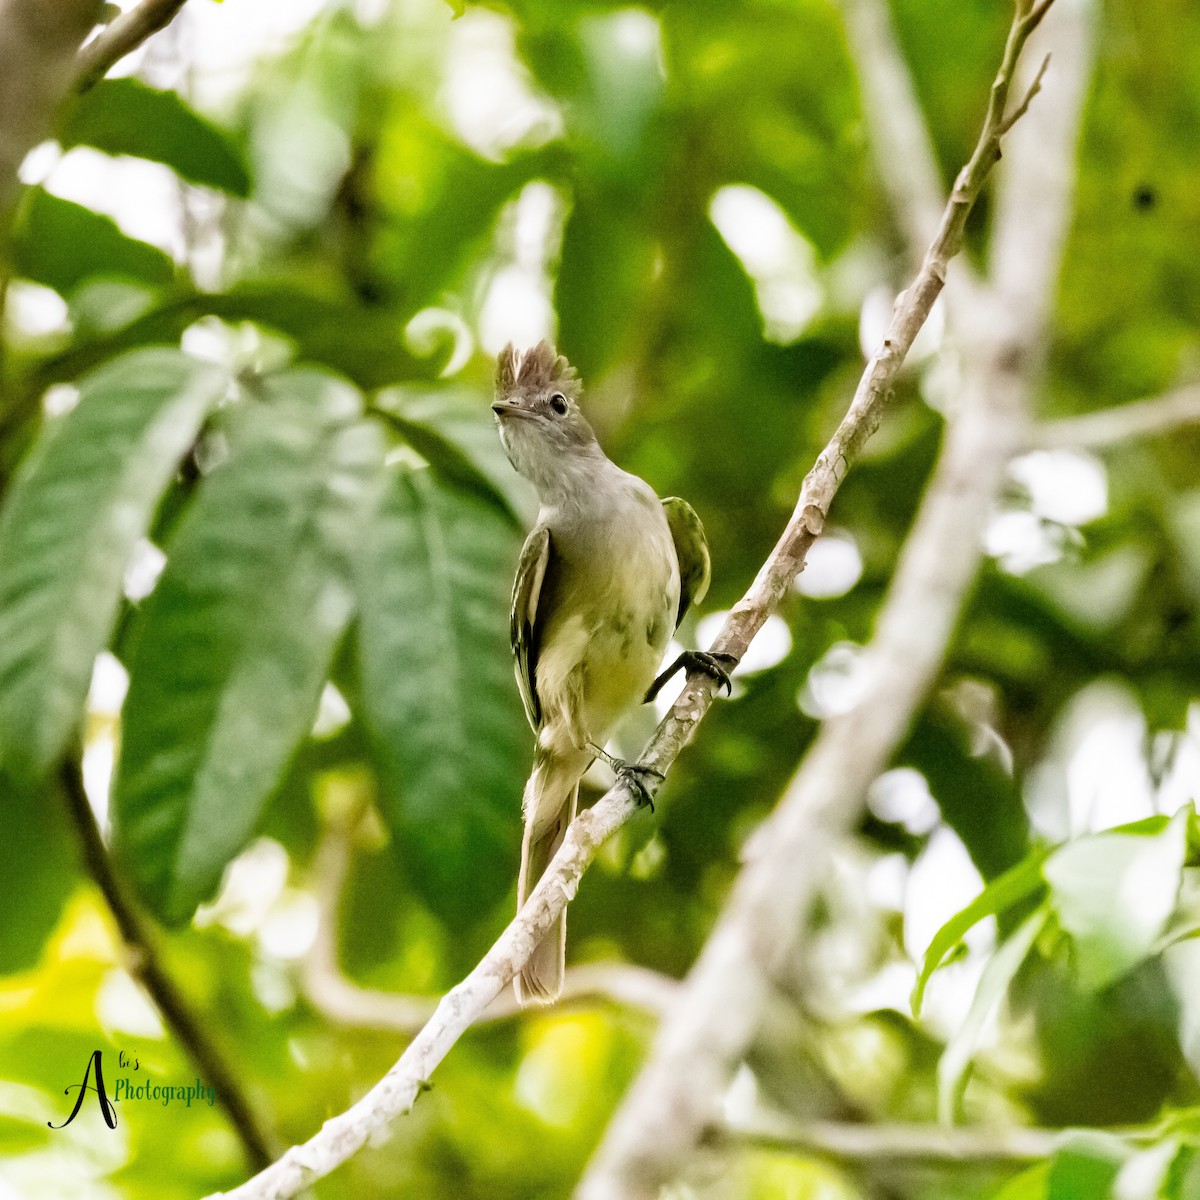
[{"x": 612, "y": 614}]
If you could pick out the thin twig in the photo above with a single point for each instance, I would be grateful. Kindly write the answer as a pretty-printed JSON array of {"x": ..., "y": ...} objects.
[
  {"x": 1115, "y": 426},
  {"x": 124, "y": 35},
  {"x": 341, "y": 1000},
  {"x": 1023, "y": 107},
  {"x": 343, "y": 1135},
  {"x": 144, "y": 963}
]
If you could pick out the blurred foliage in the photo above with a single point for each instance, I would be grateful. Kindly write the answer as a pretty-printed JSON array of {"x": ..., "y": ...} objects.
[{"x": 254, "y": 471}]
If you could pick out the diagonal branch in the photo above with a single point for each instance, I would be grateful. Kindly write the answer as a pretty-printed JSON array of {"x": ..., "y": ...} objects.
[
  {"x": 124, "y": 35},
  {"x": 343, "y": 1135}
]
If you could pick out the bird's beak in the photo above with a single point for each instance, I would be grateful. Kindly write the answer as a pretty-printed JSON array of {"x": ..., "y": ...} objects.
[{"x": 508, "y": 408}]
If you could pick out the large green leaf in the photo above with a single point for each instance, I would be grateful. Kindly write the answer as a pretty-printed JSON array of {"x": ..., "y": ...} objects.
[
  {"x": 125, "y": 116},
  {"x": 83, "y": 499},
  {"x": 437, "y": 688},
  {"x": 238, "y": 636},
  {"x": 60, "y": 244},
  {"x": 1115, "y": 891}
]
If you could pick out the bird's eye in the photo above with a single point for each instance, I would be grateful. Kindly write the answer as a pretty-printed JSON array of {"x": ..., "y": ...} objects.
[{"x": 558, "y": 402}]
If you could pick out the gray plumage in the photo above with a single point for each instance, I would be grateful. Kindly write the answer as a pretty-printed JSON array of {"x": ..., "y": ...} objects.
[{"x": 603, "y": 580}]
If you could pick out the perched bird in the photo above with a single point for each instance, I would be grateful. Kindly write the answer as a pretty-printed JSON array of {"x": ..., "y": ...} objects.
[{"x": 603, "y": 581}]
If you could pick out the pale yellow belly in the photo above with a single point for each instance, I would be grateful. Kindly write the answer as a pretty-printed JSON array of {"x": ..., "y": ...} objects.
[{"x": 596, "y": 664}]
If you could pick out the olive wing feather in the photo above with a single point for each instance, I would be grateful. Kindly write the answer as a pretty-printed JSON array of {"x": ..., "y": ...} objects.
[
  {"x": 527, "y": 589},
  {"x": 691, "y": 549}
]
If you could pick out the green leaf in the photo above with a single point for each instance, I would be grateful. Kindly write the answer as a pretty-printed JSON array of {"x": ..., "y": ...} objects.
[
  {"x": 955, "y": 1063},
  {"x": 238, "y": 635},
  {"x": 40, "y": 873},
  {"x": 1029, "y": 1185},
  {"x": 1083, "y": 1169},
  {"x": 1086, "y": 1167},
  {"x": 438, "y": 695},
  {"x": 1114, "y": 893},
  {"x": 125, "y": 116},
  {"x": 454, "y": 432},
  {"x": 1005, "y": 891},
  {"x": 60, "y": 244},
  {"x": 83, "y": 498}
]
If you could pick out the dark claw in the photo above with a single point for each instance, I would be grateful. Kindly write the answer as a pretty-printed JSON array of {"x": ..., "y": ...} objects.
[
  {"x": 631, "y": 773},
  {"x": 714, "y": 665}
]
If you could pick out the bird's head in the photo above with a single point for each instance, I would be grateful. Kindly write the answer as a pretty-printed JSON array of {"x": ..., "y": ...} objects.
[{"x": 542, "y": 429}]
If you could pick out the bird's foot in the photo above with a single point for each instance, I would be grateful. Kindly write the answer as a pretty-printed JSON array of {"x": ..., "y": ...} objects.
[
  {"x": 717, "y": 666},
  {"x": 639, "y": 778}
]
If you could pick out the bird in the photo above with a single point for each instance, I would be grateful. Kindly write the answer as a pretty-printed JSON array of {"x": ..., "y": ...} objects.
[{"x": 602, "y": 582}]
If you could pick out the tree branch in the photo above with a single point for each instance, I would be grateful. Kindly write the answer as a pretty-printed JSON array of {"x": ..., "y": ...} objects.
[
  {"x": 701, "y": 1040},
  {"x": 122, "y": 37},
  {"x": 895, "y": 1143},
  {"x": 342, "y": 1001},
  {"x": 38, "y": 43},
  {"x": 1112, "y": 426},
  {"x": 904, "y": 154},
  {"x": 144, "y": 963},
  {"x": 1035, "y": 185}
]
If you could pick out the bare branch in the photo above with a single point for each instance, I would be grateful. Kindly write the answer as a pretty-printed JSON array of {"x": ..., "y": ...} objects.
[
  {"x": 122, "y": 37},
  {"x": 144, "y": 963},
  {"x": 896, "y": 1143},
  {"x": 900, "y": 140},
  {"x": 342, "y": 1001},
  {"x": 1113, "y": 426}
]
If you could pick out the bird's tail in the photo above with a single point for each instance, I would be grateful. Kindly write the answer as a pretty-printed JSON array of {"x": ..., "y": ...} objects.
[{"x": 551, "y": 796}]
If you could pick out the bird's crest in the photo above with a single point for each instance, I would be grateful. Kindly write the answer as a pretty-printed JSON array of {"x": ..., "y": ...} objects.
[{"x": 535, "y": 371}]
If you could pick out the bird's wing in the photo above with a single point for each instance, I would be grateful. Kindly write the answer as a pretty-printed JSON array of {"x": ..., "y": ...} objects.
[
  {"x": 691, "y": 549},
  {"x": 527, "y": 588}
]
